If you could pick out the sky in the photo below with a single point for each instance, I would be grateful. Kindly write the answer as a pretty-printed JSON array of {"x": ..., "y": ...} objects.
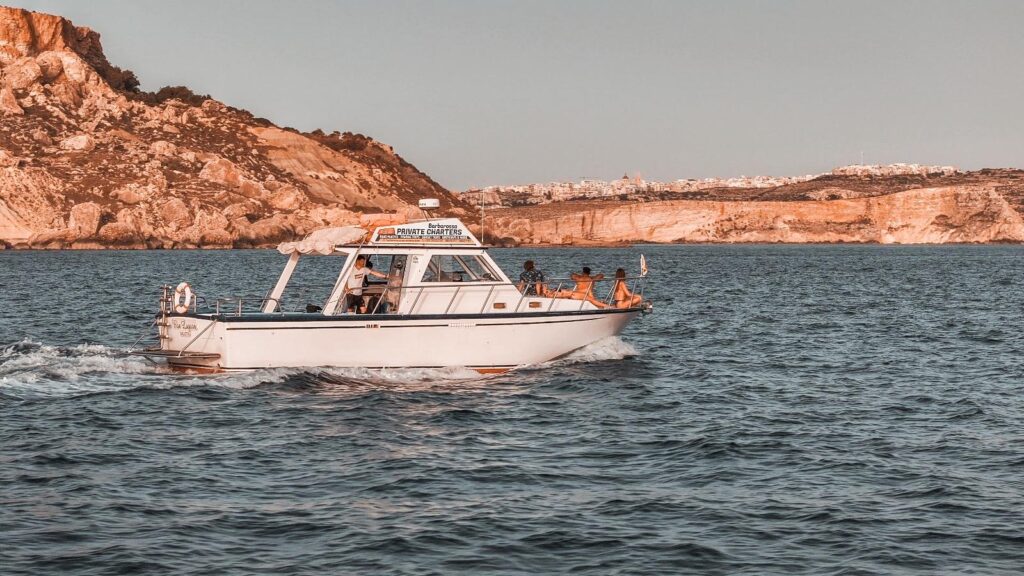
[{"x": 485, "y": 92}]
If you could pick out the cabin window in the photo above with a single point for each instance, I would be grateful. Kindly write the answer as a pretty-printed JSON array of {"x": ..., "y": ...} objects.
[
  {"x": 448, "y": 268},
  {"x": 477, "y": 268},
  {"x": 444, "y": 268},
  {"x": 386, "y": 264}
]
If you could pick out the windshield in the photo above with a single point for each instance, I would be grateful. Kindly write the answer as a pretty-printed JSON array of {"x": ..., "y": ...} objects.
[{"x": 448, "y": 268}]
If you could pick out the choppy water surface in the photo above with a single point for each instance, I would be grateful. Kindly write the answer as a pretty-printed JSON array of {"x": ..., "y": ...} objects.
[{"x": 798, "y": 410}]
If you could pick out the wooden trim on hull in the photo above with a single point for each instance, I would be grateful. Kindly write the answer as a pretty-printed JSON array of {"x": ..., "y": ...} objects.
[{"x": 194, "y": 368}]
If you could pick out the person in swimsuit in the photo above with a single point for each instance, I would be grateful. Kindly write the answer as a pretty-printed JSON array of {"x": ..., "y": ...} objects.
[
  {"x": 621, "y": 294},
  {"x": 584, "y": 289}
]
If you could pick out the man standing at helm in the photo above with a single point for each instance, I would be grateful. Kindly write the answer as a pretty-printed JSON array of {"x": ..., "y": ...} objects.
[{"x": 354, "y": 285}]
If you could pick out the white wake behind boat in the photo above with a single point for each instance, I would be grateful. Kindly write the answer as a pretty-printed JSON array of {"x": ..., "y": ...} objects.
[{"x": 443, "y": 302}]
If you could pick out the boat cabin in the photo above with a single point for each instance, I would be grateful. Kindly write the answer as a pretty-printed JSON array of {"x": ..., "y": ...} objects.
[{"x": 432, "y": 267}]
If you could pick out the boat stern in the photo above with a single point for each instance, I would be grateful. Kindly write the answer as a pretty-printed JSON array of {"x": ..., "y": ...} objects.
[{"x": 188, "y": 342}]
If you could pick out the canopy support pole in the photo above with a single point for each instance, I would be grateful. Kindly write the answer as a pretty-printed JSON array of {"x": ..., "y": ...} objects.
[{"x": 282, "y": 282}]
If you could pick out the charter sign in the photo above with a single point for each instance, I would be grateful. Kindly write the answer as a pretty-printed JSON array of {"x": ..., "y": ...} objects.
[{"x": 436, "y": 232}]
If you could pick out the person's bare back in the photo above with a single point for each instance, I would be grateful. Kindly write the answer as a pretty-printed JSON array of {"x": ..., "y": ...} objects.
[{"x": 585, "y": 287}]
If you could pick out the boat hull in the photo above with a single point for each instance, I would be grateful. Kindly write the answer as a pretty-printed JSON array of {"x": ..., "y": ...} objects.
[{"x": 487, "y": 343}]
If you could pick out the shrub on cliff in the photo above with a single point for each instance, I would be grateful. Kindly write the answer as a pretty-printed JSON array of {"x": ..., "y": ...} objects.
[
  {"x": 166, "y": 93},
  {"x": 122, "y": 79},
  {"x": 341, "y": 141}
]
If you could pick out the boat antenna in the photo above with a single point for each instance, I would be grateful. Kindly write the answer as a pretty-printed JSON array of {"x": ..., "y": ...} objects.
[{"x": 483, "y": 236}]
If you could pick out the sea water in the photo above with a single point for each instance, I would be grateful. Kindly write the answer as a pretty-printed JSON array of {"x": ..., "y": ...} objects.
[{"x": 785, "y": 409}]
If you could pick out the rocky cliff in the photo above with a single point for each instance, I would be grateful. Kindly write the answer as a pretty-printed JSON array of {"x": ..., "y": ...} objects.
[
  {"x": 984, "y": 206},
  {"x": 87, "y": 160}
]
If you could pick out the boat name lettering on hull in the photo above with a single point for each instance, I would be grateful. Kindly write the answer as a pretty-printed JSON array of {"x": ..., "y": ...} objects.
[{"x": 184, "y": 327}]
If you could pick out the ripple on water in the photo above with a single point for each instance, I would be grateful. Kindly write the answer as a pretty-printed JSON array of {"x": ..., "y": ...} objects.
[{"x": 798, "y": 410}]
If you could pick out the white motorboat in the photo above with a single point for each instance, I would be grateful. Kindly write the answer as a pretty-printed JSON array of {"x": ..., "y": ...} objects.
[{"x": 442, "y": 302}]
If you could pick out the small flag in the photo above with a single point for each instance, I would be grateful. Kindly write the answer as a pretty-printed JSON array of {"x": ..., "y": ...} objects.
[{"x": 643, "y": 265}]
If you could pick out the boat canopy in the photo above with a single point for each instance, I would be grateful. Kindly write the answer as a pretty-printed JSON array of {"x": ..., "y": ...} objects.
[{"x": 323, "y": 241}]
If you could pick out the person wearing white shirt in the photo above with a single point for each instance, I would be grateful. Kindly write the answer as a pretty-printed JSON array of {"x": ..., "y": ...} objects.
[{"x": 354, "y": 286}]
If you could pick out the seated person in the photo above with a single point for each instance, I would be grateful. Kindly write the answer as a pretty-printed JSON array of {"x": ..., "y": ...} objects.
[
  {"x": 531, "y": 281},
  {"x": 622, "y": 296},
  {"x": 372, "y": 305},
  {"x": 585, "y": 287}
]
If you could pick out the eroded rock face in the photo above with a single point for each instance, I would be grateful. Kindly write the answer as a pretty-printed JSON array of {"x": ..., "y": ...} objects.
[
  {"x": 22, "y": 73},
  {"x": 86, "y": 160},
  {"x": 163, "y": 148},
  {"x": 81, "y": 143},
  {"x": 132, "y": 194},
  {"x": 8, "y": 103},
  {"x": 969, "y": 213},
  {"x": 224, "y": 172},
  {"x": 286, "y": 199},
  {"x": 85, "y": 219},
  {"x": 175, "y": 214},
  {"x": 7, "y": 159}
]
